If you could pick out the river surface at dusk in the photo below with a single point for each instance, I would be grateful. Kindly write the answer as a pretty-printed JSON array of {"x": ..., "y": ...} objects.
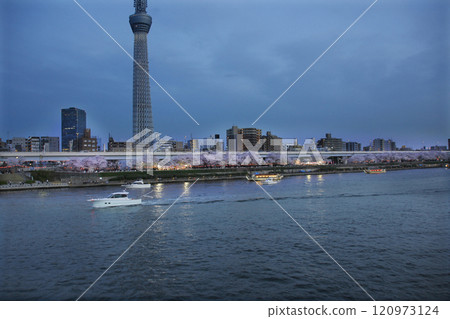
[{"x": 227, "y": 240}]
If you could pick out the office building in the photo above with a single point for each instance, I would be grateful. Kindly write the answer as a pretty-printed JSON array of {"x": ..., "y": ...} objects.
[{"x": 73, "y": 124}]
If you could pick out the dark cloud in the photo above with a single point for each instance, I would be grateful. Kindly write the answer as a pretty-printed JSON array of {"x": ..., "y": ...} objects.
[{"x": 226, "y": 61}]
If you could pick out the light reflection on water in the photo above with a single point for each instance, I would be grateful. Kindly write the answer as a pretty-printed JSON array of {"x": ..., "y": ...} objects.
[{"x": 158, "y": 190}]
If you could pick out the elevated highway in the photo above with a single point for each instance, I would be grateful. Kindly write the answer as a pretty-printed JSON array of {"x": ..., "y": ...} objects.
[{"x": 119, "y": 156}]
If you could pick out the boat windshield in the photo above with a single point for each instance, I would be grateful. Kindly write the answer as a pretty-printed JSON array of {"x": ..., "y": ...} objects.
[{"x": 117, "y": 196}]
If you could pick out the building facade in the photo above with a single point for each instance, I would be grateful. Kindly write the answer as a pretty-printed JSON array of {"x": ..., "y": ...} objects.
[
  {"x": 212, "y": 143},
  {"x": 236, "y": 135},
  {"x": 380, "y": 144},
  {"x": 34, "y": 144},
  {"x": 49, "y": 144},
  {"x": 272, "y": 143},
  {"x": 73, "y": 124},
  {"x": 234, "y": 139},
  {"x": 251, "y": 134},
  {"x": 177, "y": 146},
  {"x": 87, "y": 143},
  {"x": 438, "y": 148},
  {"x": 18, "y": 144},
  {"x": 140, "y": 23},
  {"x": 330, "y": 143},
  {"x": 115, "y": 146},
  {"x": 352, "y": 146}
]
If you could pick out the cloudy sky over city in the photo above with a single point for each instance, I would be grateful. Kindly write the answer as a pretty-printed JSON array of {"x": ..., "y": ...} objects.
[{"x": 226, "y": 61}]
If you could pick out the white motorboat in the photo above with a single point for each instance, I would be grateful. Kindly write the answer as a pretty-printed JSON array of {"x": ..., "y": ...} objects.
[
  {"x": 138, "y": 184},
  {"x": 115, "y": 199}
]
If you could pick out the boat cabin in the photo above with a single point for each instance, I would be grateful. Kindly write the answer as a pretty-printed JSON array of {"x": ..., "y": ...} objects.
[{"x": 118, "y": 195}]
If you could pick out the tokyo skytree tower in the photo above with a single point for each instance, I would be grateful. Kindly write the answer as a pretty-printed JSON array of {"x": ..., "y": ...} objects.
[{"x": 140, "y": 23}]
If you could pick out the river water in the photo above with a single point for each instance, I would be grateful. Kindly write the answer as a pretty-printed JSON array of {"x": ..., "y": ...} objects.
[{"x": 227, "y": 240}]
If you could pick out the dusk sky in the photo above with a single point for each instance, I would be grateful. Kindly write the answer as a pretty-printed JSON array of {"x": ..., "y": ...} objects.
[{"x": 226, "y": 61}]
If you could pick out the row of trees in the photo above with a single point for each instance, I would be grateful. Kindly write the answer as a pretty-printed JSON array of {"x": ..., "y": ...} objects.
[{"x": 212, "y": 159}]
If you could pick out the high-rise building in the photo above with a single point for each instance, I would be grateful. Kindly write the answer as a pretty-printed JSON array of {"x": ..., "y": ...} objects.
[
  {"x": 236, "y": 135},
  {"x": 380, "y": 144},
  {"x": 140, "y": 23},
  {"x": 253, "y": 135},
  {"x": 73, "y": 124},
  {"x": 330, "y": 143}
]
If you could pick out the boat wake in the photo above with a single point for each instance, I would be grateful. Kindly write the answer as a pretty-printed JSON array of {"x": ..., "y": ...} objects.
[{"x": 201, "y": 200}]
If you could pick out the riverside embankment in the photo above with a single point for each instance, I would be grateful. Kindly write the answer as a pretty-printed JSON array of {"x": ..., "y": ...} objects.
[{"x": 48, "y": 179}]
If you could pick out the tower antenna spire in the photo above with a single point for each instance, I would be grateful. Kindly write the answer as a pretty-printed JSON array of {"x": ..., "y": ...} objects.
[{"x": 141, "y": 6}]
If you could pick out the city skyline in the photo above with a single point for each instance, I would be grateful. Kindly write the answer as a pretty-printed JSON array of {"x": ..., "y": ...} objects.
[{"x": 378, "y": 81}]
